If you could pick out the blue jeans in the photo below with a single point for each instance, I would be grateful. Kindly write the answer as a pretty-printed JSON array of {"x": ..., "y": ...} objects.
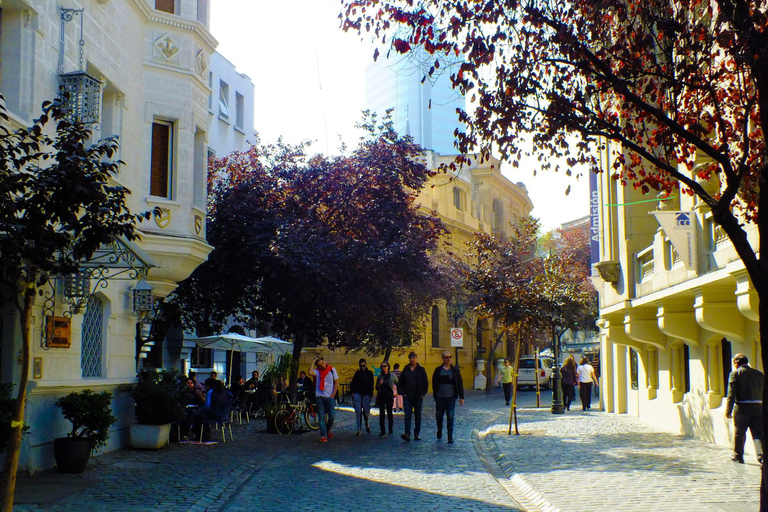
[
  {"x": 326, "y": 405},
  {"x": 447, "y": 406},
  {"x": 362, "y": 405},
  {"x": 412, "y": 407}
]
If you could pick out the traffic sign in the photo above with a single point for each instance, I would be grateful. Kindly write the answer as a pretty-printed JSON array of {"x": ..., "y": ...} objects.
[{"x": 457, "y": 337}]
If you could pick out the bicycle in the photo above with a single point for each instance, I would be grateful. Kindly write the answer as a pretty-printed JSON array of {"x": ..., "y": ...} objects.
[{"x": 286, "y": 419}]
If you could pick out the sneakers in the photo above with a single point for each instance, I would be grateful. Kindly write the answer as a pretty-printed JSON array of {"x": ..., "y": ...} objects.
[
  {"x": 406, "y": 438},
  {"x": 416, "y": 438},
  {"x": 323, "y": 440},
  {"x": 330, "y": 435},
  {"x": 359, "y": 433},
  {"x": 450, "y": 440},
  {"x": 382, "y": 435},
  {"x": 738, "y": 459},
  {"x": 367, "y": 428}
]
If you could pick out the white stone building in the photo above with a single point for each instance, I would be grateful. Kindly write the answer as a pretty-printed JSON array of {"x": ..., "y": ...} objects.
[{"x": 152, "y": 59}]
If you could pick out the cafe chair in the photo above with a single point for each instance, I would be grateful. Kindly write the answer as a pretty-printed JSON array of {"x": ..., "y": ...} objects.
[
  {"x": 238, "y": 409},
  {"x": 220, "y": 419}
]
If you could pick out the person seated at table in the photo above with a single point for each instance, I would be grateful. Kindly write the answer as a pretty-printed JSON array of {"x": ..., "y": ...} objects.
[
  {"x": 194, "y": 399},
  {"x": 238, "y": 391},
  {"x": 216, "y": 403},
  {"x": 253, "y": 382},
  {"x": 306, "y": 385},
  {"x": 193, "y": 375}
]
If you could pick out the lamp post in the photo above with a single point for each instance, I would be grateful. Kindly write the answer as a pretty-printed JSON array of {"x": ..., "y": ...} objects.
[
  {"x": 557, "y": 392},
  {"x": 455, "y": 311},
  {"x": 143, "y": 305}
]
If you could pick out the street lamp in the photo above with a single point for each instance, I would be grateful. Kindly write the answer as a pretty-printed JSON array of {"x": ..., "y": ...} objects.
[
  {"x": 143, "y": 305},
  {"x": 557, "y": 393},
  {"x": 456, "y": 310}
]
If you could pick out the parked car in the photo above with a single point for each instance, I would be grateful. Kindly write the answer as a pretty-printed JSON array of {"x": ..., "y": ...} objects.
[{"x": 528, "y": 372}]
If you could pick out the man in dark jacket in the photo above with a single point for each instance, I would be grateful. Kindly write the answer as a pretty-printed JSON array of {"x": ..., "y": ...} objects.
[
  {"x": 362, "y": 392},
  {"x": 413, "y": 385},
  {"x": 745, "y": 392},
  {"x": 447, "y": 386}
]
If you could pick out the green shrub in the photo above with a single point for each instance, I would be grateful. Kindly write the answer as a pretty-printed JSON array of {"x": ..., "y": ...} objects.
[
  {"x": 158, "y": 397},
  {"x": 90, "y": 415}
]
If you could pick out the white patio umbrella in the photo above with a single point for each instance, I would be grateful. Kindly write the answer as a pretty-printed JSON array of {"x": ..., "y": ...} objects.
[{"x": 233, "y": 341}]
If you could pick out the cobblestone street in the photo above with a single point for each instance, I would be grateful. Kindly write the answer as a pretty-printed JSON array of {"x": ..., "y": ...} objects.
[{"x": 576, "y": 462}]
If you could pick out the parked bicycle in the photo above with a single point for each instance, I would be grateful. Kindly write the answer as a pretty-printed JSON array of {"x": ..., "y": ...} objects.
[{"x": 290, "y": 417}]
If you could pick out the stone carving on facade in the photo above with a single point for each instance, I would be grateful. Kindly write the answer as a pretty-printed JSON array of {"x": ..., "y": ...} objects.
[
  {"x": 610, "y": 271},
  {"x": 163, "y": 219},
  {"x": 202, "y": 62},
  {"x": 168, "y": 47}
]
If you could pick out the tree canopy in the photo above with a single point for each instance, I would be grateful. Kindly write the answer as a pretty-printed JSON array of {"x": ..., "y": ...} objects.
[{"x": 327, "y": 249}]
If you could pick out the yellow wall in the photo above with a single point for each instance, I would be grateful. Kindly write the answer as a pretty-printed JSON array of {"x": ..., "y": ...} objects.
[{"x": 481, "y": 186}]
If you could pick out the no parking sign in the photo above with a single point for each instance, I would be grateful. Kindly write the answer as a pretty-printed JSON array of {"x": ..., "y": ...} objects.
[{"x": 457, "y": 337}]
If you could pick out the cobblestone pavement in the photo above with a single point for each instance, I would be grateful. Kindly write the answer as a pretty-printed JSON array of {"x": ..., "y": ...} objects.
[
  {"x": 576, "y": 462},
  {"x": 591, "y": 461}
]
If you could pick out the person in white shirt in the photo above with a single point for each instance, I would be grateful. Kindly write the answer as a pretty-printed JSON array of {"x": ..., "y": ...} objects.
[
  {"x": 326, "y": 385},
  {"x": 586, "y": 377}
]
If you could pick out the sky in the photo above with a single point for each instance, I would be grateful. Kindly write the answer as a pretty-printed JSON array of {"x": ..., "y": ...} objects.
[{"x": 309, "y": 80}]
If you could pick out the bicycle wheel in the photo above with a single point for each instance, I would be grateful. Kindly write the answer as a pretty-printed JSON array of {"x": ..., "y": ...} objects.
[
  {"x": 284, "y": 422},
  {"x": 311, "y": 417}
]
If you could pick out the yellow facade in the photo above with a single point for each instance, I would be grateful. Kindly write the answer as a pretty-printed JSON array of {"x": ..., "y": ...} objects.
[
  {"x": 668, "y": 332},
  {"x": 475, "y": 198}
]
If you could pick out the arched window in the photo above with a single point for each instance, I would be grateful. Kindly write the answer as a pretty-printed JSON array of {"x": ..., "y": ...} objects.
[
  {"x": 91, "y": 338},
  {"x": 435, "y": 327}
]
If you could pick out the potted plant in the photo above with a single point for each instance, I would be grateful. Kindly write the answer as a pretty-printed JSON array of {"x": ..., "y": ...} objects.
[
  {"x": 91, "y": 417},
  {"x": 159, "y": 404},
  {"x": 276, "y": 378}
]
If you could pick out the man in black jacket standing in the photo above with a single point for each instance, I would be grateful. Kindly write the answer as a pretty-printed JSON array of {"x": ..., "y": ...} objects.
[
  {"x": 447, "y": 386},
  {"x": 413, "y": 385},
  {"x": 745, "y": 392}
]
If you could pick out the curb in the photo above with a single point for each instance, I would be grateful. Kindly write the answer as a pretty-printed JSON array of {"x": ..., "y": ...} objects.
[{"x": 503, "y": 471}]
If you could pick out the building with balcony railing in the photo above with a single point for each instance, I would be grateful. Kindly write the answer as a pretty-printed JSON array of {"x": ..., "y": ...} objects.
[
  {"x": 137, "y": 70},
  {"x": 672, "y": 314}
]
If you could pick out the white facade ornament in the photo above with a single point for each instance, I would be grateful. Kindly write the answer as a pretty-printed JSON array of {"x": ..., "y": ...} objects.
[
  {"x": 202, "y": 62},
  {"x": 167, "y": 46}
]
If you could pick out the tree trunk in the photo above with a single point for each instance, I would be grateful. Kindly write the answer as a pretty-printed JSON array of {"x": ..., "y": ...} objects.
[
  {"x": 513, "y": 413},
  {"x": 489, "y": 363},
  {"x": 17, "y": 424},
  {"x": 388, "y": 353}
]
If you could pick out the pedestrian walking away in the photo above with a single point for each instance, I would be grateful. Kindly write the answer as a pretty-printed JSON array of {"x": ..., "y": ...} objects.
[
  {"x": 586, "y": 377},
  {"x": 326, "y": 386},
  {"x": 398, "y": 403},
  {"x": 568, "y": 382},
  {"x": 447, "y": 386},
  {"x": 413, "y": 385},
  {"x": 744, "y": 404},
  {"x": 362, "y": 392},
  {"x": 505, "y": 375},
  {"x": 385, "y": 395}
]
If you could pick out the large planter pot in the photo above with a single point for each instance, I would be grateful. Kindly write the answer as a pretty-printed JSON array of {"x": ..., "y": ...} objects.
[
  {"x": 150, "y": 437},
  {"x": 72, "y": 453}
]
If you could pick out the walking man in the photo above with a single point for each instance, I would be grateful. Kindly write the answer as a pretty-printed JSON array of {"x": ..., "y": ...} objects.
[
  {"x": 744, "y": 404},
  {"x": 413, "y": 385},
  {"x": 326, "y": 385},
  {"x": 447, "y": 386},
  {"x": 506, "y": 375},
  {"x": 362, "y": 392}
]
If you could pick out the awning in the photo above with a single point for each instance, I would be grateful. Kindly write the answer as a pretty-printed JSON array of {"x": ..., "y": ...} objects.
[{"x": 240, "y": 343}]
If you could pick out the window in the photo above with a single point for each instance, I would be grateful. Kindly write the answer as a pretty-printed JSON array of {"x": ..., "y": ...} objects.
[
  {"x": 223, "y": 100},
  {"x": 202, "y": 12},
  {"x": 91, "y": 338},
  {"x": 165, "y": 6},
  {"x": 199, "y": 167},
  {"x": 435, "y": 327},
  {"x": 687, "y": 367},
  {"x": 210, "y": 96},
  {"x": 239, "y": 110},
  {"x": 202, "y": 357},
  {"x": 162, "y": 159},
  {"x": 633, "y": 369},
  {"x": 725, "y": 346},
  {"x": 458, "y": 198},
  {"x": 18, "y": 26},
  {"x": 498, "y": 216}
]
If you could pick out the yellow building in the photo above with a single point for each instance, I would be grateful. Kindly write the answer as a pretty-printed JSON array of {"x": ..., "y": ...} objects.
[
  {"x": 670, "y": 324},
  {"x": 475, "y": 198}
]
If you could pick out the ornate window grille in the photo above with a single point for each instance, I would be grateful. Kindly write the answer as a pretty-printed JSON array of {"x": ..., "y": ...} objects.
[{"x": 92, "y": 335}]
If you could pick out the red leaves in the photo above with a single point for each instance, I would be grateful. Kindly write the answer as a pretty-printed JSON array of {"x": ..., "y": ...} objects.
[{"x": 401, "y": 46}]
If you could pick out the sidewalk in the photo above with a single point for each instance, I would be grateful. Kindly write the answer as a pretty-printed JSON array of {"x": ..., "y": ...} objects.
[{"x": 592, "y": 461}]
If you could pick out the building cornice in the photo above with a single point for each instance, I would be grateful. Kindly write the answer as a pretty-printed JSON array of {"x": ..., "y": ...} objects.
[{"x": 161, "y": 18}]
